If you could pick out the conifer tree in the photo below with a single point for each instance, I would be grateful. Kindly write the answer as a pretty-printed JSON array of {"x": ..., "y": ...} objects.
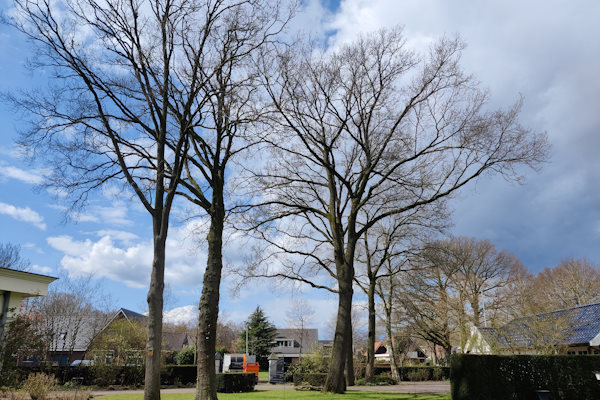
[{"x": 261, "y": 336}]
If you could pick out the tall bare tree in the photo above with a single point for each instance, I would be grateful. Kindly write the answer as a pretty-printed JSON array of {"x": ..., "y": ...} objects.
[
  {"x": 124, "y": 91},
  {"x": 365, "y": 132},
  {"x": 220, "y": 131}
]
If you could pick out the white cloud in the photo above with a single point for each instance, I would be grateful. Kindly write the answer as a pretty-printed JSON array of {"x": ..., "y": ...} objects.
[
  {"x": 115, "y": 214},
  {"x": 40, "y": 269},
  {"x": 130, "y": 263},
  {"x": 23, "y": 214},
  {"x": 33, "y": 176},
  {"x": 182, "y": 315},
  {"x": 123, "y": 236}
]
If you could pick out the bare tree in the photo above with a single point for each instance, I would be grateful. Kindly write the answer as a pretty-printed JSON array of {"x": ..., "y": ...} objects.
[
  {"x": 365, "y": 132},
  {"x": 71, "y": 314},
  {"x": 572, "y": 283},
  {"x": 386, "y": 290},
  {"x": 125, "y": 90},
  {"x": 10, "y": 257},
  {"x": 220, "y": 131},
  {"x": 299, "y": 316},
  {"x": 482, "y": 272},
  {"x": 382, "y": 256},
  {"x": 430, "y": 299}
]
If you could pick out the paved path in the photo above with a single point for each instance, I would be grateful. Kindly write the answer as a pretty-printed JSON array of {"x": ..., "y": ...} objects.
[{"x": 442, "y": 387}]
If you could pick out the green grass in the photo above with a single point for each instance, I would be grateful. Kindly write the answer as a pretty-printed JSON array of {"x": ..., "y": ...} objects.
[
  {"x": 290, "y": 395},
  {"x": 263, "y": 376}
]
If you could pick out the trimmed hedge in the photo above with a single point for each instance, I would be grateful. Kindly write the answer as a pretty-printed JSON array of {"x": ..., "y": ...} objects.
[
  {"x": 487, "y": 377},
  {"x": 424, "y": 373},
  {"x": 178, "y": 374},
  {"x": 314, "y": 379},
  {"x": 134, "y": 376},
  {"x": 236, "y": 382}
]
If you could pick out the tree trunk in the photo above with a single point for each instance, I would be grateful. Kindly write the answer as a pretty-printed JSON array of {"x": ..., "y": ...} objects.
[
  {"x": 370, "y": 369},
  {"x": 391, "y": 348},
  {"x": 206, "y": 388},
  {"x": 349, "y": 355},
  {"x": 476, "y": 310},
  {"x": 155, "y": 310},
  {"x": 335, "y": 381}
]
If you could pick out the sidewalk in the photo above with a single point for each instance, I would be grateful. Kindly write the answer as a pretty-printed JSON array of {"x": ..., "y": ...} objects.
[{"x": 441, "y": 387}]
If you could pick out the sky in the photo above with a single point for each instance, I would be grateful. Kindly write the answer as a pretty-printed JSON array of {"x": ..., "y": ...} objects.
[{"x": 546, "y": 52}]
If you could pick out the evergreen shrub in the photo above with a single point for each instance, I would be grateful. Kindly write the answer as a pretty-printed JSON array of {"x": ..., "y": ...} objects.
[
  {"x": 235, "y": 382},
  {"x": 518, "y": 377}
]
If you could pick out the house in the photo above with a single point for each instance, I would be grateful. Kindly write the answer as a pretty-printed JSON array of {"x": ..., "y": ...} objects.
[
  {"x": 14, "y": 287},
  {"x": 413, "y": 352},
  {"x": 73, "y": 341},
  {"x": 574, "y": 331},
  {"x": 70, "y": 337},
  {"x": 291, "y": 344}
]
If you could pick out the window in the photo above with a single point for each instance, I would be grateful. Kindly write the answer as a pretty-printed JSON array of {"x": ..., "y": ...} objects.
[
  {"x": 134, "y": 357},
  {"x": 62, "y": 336}
]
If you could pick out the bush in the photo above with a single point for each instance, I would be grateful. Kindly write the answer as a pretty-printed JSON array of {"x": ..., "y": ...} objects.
[
  {"x": 235, "y": 382},
  {"x": 39, "y": 385},
  {"x": 566, "y": 377},
  {"x": 310, "y": 379},
  {"x": 378, "y": 380},
  {"x": 104, "y": 374},
  {"x": 186, "y": 356},
  {"x": 418, "y": 374},
  {"x": 316, "y": 362},
  {"x": 440, "y": 373}
]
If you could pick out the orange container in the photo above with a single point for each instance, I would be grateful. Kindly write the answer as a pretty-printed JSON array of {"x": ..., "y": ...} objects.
[{"x": 251, "y": 367}]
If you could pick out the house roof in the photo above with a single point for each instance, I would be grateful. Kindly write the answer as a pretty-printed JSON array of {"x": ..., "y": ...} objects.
[
  {"x": 307, "y": 337},
  {"x": 577, "y": 325},
  {"x": 27, "y": 283},
  {"x": 174, "y": 341},
  {"x": 72, "y": 332},
  {"x": 132, "y": 314}
]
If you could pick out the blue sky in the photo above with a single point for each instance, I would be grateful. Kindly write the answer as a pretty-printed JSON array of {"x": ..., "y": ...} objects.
[{"x": 545, "y": 51}]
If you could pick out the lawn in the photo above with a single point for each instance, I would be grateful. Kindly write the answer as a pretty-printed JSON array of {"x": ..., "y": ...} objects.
[
  {"x": 263, "y": 376},
  {"x": 290, "y": 395}
]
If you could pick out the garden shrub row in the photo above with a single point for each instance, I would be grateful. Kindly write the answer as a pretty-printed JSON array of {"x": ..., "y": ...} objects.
[
  {"x": 105, "y": 376},
  {"x": 518, "y": 377},
  {"x": 417, "y": 373},
  {"x": 406, "y": 374},
  {"x": 236, "y": 382},
  {"x": 310, "y": 379}
]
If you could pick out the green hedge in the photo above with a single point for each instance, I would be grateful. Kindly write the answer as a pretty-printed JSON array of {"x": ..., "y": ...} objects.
[
  {"x": 483, "y": 377},
  {"x": 178, "y": 374},
  {"x": 105, "y": 376},
  {"x": 315, "y": 379},
  {"x": 416, "y": 373},
  {"x": 236, "y": 382}
]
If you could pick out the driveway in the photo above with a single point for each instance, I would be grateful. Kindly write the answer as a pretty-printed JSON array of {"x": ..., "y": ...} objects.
[{"x": 442, "y": 387}]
